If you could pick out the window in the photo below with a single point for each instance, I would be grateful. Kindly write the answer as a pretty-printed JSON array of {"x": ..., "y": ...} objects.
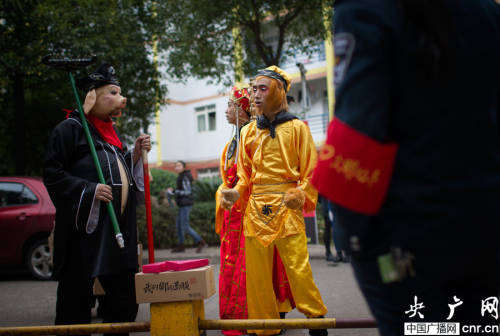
[
  {"x": 16, "y": 194},
  {"x": 211, "y": 121},
  {"x": 206, "y": 118},
  {"x": 207, "y": 173},
  {"x": 202, "y": 127}
]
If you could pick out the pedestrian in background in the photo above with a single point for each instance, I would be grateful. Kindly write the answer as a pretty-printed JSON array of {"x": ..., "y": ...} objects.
[
  {"x": 331, "y": 230},
  {"x": 412, "y": 158},
  {"x": 184, "y": 199},
  {"x": 327, "y": 234}
]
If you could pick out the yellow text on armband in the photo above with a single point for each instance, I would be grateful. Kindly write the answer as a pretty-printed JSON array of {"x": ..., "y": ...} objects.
[{"x": 350, "y": 168}]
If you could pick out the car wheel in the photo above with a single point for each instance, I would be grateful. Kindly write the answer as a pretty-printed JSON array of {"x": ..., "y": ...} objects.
[{"x": 39, "y": 261}]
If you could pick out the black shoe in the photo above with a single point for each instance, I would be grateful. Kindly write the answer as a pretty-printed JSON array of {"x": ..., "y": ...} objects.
[
  {"x": 201, "y": 245},
  {"x": 282, "y": 315},
  {"x": 318, "y": 332},
  {"x": 328, "y": 256},
  {"x": 179, "y": 248},
  {"x": 337, "y": 258}
]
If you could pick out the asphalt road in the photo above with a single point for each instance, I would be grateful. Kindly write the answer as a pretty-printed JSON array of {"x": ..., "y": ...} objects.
[{"x": 27, "y": 302}]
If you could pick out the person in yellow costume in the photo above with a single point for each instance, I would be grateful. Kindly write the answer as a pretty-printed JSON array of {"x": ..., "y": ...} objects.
[
  {"x": 229, "y": 225},
  {"x": 275, "y": 162}
]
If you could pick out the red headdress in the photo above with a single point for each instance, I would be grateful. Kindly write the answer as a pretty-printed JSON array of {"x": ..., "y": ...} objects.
[{"x": 241, "y": 97}]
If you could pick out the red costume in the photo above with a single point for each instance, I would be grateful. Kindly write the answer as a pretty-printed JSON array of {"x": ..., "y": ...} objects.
[{"x": 229, "y": 226}]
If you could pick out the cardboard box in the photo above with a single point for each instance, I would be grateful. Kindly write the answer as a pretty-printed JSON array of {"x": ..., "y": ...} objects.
[{"x": 193, "y": 284}]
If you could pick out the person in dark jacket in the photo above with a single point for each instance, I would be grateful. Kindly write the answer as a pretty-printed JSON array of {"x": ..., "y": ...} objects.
[
  {"x": 412, "y": 158},
  {"x": 184, "y": 199},
  {"x": 331, "y": 230},
  {"x": 84, "y": 241},
  {"x": 327, "y": 234}
]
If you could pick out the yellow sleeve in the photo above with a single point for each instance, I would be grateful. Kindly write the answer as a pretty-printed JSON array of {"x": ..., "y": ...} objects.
[
  {"x": 307, "y": 161},
  {"x": 219, "y": 212},
  {"x": 244, "y": 166}
]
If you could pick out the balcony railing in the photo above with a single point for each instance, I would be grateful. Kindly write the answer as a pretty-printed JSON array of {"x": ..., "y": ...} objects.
[
  {"x": 318, "y": 123},
  {"x": 299, "y": 57}
]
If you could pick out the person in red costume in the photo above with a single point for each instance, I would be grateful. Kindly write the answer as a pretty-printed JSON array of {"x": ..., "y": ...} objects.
[{"x": 229, "y": 225}]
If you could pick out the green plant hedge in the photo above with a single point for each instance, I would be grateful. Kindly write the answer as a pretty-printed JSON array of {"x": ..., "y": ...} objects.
[
  {"x": 202, "y": 220},
  {"x": 162, "y": 179},
  {"x": 204, "y": 190},
  {"x": 202, "y": 217}
]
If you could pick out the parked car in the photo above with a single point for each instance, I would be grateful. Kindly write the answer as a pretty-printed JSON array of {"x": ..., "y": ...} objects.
[{"x": 26, "y": 221}]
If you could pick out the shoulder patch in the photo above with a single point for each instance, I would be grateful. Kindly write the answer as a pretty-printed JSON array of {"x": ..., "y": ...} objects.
[
  {"x": 353, "y": 169},
  {"x": 343, "y": 46}
]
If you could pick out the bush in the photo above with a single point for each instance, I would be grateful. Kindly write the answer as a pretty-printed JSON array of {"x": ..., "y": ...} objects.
[
  {"x": 162, "y": 179},
  {"x": 204, "y": 190},
  {"x": 202, "y": 220}
]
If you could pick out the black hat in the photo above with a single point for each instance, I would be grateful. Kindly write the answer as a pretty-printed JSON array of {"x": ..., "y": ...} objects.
[{"x": 104, "y": 75}]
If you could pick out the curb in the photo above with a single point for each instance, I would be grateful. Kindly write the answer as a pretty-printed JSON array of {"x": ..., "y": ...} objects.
[{"x": 211, "y": 253}]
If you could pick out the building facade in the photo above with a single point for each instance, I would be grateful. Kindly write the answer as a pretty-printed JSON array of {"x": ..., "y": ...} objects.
[{"x": 192, "y": 126}]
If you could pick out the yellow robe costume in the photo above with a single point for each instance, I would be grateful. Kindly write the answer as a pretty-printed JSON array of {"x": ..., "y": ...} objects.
[
  {"x": 267, "y": 168},
  {"x": 230, "y": 248},
  {"x": 224, "y": 169}
]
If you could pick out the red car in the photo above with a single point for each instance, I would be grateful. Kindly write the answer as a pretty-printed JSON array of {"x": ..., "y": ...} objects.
[{"x": 26, "y": 220}]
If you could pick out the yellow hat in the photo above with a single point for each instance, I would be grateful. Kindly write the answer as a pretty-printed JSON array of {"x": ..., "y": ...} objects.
[{"x": 276, "y": 73}]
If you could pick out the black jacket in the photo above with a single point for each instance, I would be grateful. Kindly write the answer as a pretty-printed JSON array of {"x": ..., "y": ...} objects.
[
  {"x": 444, "y": 195},
  {"x": 71, "y": 180},
  {"x": 184, "y": 192}
]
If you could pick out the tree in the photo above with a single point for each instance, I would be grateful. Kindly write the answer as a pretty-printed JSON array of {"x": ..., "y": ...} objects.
[
  {"x": 199, "y": 42},
  {"x": 32, "y": 95}
]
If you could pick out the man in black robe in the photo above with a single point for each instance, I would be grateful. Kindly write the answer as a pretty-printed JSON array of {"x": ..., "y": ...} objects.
[{"x": 84, "y": 240}]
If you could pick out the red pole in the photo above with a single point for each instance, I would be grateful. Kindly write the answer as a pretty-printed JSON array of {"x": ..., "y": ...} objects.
[{"x": 147, "y": 197}]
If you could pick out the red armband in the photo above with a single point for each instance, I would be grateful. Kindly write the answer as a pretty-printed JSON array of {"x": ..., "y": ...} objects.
[{"x": 353, "y": 169}]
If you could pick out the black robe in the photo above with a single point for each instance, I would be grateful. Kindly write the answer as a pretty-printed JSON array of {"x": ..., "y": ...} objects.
[{"x": 71, "y": 180}]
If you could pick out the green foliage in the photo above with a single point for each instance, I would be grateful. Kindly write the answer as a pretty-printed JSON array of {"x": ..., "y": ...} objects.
[
  {"x": 194, "y": 39},
  {"x": 162, "y": 179},
  {"x": 202, "y": 220},
  {"x": 33, "y": 95},
  {"x": 202, "y": 217},
  {"x": 204, "y": 190},
  {"x": 199, "y": 39}
]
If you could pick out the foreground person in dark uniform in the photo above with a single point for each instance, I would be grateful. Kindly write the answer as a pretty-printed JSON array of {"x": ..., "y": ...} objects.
[
  {"x": 412, "y": 159},
  {"x": 84, "y": 241}
]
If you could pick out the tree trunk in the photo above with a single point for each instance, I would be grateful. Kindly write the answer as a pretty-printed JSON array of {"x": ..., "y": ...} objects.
[{"x": 20, "y": 126}]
